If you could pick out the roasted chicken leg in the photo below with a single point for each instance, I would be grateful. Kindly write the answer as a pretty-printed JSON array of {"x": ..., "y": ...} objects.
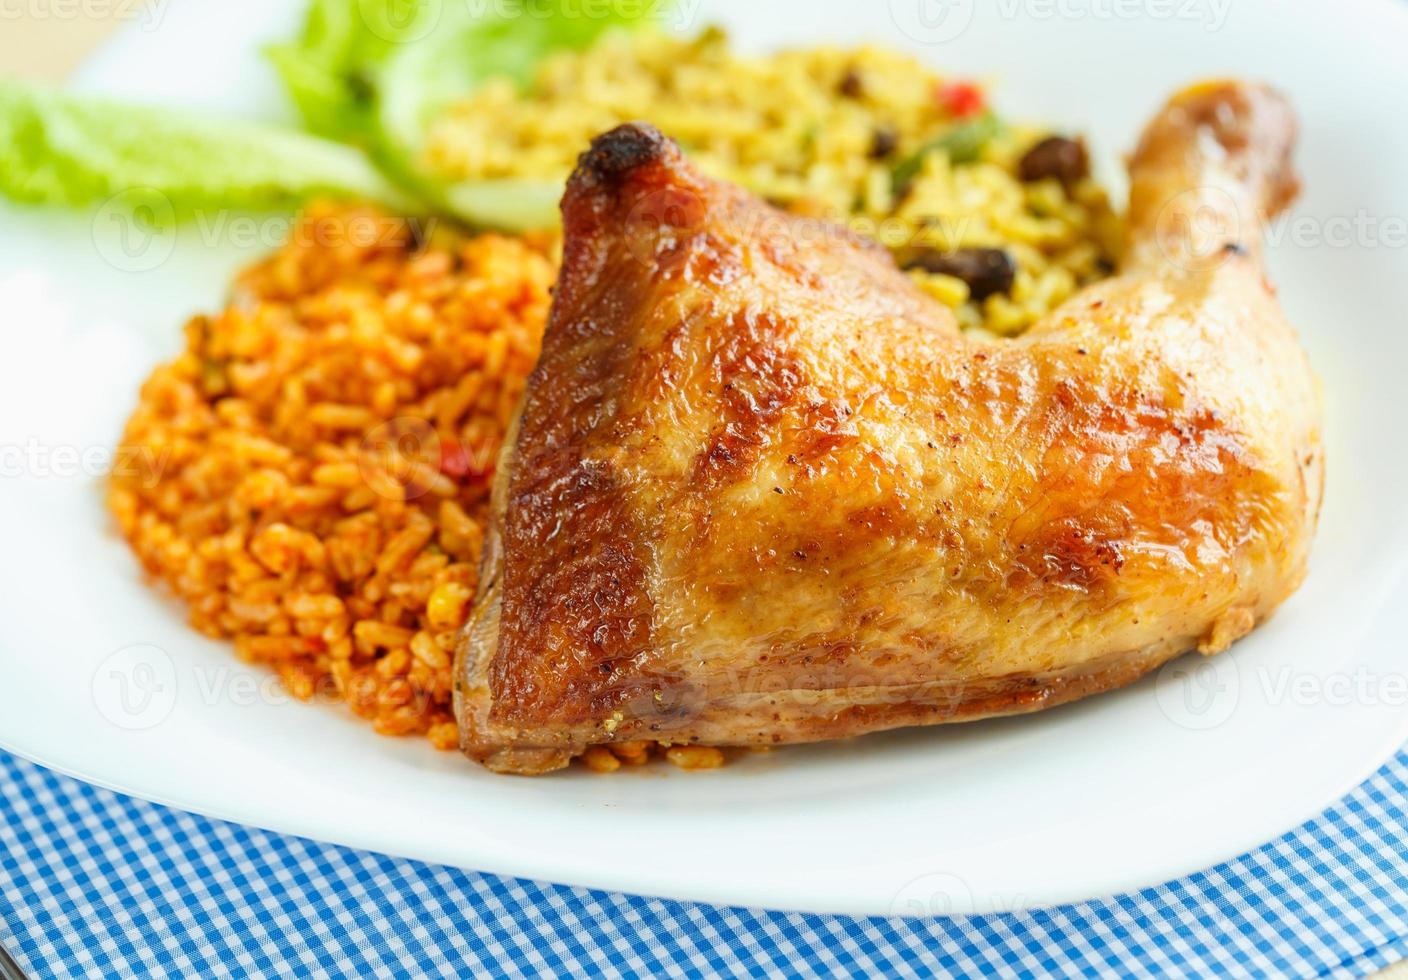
[{"x": 762, "y": 490}]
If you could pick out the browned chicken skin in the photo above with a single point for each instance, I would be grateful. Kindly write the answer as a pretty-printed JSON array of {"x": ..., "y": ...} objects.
[{"x": 763, "y": 491}]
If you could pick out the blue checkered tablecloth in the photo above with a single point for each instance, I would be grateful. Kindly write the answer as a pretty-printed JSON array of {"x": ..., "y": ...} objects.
[{"x": 93, "y": 883}]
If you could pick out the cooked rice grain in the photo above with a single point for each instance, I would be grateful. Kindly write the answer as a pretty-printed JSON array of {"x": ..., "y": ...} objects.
[
  {"x": 326, "y": 444},
  {"x": 822, "y": 131}
]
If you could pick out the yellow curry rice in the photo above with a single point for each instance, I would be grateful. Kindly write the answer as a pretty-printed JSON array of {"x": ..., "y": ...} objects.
[{"x": 867, "y": 137}]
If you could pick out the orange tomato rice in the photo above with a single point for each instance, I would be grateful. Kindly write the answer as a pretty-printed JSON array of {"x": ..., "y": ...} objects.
[{"x": 326, "y": 444}]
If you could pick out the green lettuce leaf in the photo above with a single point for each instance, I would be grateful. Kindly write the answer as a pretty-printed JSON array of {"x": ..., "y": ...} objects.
[
  {"x": 331, "y": 70},
  {"x": 376, "y": 73},
  {"x": 62, "y": 148}
]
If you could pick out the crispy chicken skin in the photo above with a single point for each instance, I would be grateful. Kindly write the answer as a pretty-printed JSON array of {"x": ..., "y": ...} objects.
[{"x": 763, "y": 491}]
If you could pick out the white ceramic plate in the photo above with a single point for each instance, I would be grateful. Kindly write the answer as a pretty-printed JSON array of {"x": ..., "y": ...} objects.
[{"x": 104, "y": 680}]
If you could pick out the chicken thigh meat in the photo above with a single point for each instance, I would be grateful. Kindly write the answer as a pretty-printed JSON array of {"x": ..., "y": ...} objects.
[{"x": 762, "y": 490}]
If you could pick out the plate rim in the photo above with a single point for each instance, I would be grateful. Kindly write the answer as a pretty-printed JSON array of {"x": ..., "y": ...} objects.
[{"x": 110, "y": 52}]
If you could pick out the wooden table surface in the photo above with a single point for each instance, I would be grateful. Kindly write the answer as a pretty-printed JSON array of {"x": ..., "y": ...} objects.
[{"x": 47, "y": 40}]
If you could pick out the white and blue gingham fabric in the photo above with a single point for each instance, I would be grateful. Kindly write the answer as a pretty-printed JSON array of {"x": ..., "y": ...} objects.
[{"x": 97, "y": 884}]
